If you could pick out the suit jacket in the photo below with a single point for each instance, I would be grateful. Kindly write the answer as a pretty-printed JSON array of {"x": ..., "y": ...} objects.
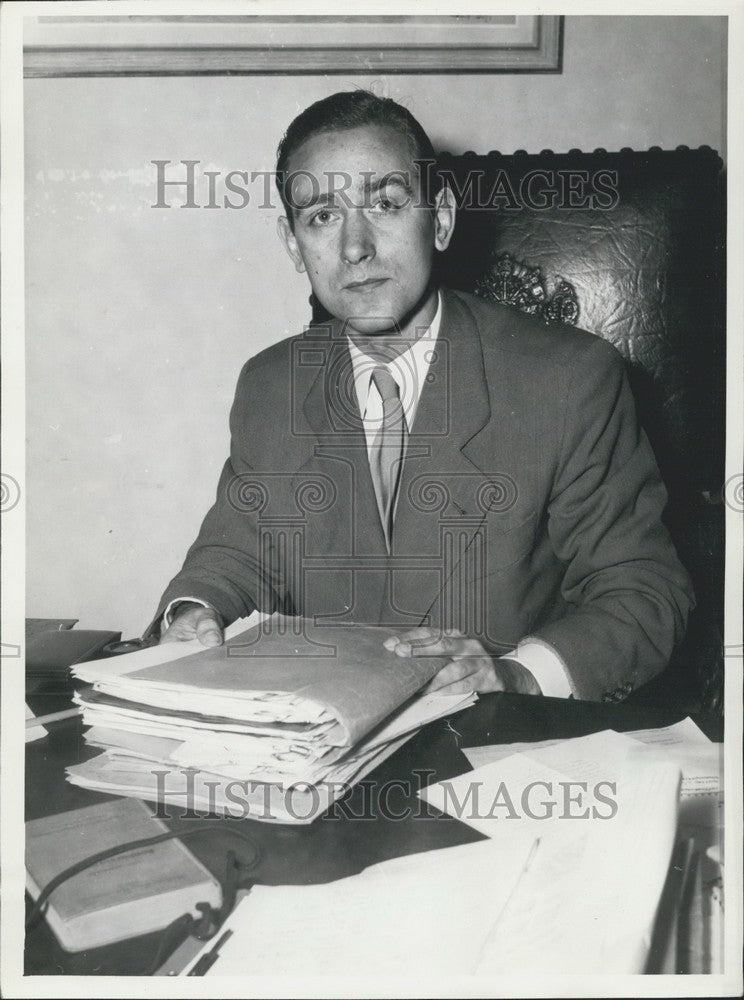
[{"x": 529, "y": 504}]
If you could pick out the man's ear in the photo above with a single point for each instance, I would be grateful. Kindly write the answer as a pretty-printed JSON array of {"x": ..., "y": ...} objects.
[
  {"x": 290, "y": 243},
  {"x": 444, "y": 218}
]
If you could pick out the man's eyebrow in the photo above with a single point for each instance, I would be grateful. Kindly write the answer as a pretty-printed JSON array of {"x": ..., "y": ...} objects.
[
  {"x": 388, "y": 180},
  {"x": 325, "y": 199},
  {"x": 322, "y": 199}
]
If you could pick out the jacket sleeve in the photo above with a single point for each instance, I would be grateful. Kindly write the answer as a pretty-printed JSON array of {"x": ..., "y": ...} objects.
[
  {"x": 228, "y": 565},
  {"x": 628, "y": 595}
]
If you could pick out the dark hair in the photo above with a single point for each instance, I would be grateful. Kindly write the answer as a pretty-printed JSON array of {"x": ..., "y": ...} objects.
[{"x": 349, "y": 109}]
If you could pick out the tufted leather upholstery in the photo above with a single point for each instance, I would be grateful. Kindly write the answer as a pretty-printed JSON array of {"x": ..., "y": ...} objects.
[{"x": 640, "y": 238}]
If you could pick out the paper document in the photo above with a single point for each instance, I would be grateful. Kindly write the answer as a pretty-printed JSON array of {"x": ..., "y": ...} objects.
[
  {"x": 594, "y": 806},
  {"x": 577, "y": 910},
  {"x": 437, "y": 909},
  {"x": 683, "y": 743},
  {"x": 528, "y": 790},
  {"x": 679, "y": 734},
  {"x": 511, "y": 906}
]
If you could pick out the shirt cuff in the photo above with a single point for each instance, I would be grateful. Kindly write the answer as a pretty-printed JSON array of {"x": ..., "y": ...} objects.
[
  {"x": 545, "y": 665},
  {"x": 180, "y": 600}
]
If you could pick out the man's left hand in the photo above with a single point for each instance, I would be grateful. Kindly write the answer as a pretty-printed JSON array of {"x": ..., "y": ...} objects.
[{"x": 470, "y": 667}]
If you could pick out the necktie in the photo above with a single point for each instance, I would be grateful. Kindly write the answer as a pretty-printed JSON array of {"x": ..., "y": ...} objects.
[{"x": 386, "y": 456}]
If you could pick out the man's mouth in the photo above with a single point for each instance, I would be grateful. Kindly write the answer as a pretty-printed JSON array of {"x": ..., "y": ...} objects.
[{"x": 367, "y": 283}]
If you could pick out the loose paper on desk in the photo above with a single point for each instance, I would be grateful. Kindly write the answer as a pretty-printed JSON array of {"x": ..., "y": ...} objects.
[
  {"x": 434, "y": 910},
  {"x": 681, "y": 733},
  {"x": 683, "y": 743},
  {"x": 513, "y": 906},
  {"x": 589, "y": 900},
  {"x": 701, "y": 762},
  {"x": 699, "y": 759},
  {"x": 485, "y": 798}
]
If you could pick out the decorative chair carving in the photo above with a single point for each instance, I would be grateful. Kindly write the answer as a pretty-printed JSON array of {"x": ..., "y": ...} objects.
[{"x": 514, "y": 283}]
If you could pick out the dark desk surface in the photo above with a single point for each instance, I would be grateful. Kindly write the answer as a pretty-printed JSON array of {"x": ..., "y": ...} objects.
[{"x": 359, "y": 832}]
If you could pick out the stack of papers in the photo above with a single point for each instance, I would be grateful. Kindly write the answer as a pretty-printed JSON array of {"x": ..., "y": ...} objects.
[{"x": 275, "y": 724}]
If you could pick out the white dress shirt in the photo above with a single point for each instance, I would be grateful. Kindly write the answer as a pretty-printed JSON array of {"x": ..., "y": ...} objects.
[{"x": 409, "y": 370}]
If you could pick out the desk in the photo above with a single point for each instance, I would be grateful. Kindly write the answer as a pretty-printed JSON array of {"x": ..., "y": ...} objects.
[{"x": 359, "y": 832}]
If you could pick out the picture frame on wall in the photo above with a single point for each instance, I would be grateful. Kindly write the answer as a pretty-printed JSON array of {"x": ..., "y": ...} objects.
[{"x": 204, "y": 45}]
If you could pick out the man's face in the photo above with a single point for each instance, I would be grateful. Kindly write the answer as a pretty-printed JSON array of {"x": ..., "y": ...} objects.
[{"x": 361, "y": 230}]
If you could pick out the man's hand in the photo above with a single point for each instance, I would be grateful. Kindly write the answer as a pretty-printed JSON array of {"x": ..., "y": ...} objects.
[
  {"x": 470, "y": 668},
  {"x": 194, "y": 621}
]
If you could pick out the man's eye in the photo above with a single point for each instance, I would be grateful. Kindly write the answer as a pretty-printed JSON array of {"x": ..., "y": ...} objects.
[
  {"x": 321, "y": 218},
  {"x": 386, "y": 205}
]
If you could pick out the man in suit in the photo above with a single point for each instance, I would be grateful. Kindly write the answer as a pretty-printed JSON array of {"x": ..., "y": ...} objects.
[{"x": 426, "y": 460}]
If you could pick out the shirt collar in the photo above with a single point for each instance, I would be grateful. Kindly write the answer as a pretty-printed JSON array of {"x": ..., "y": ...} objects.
[{"x": 409, "y": 369}]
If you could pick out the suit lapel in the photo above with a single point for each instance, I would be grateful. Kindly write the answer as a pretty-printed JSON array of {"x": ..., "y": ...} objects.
[
  {"x": 445, "y": 476},
  {"x": 332, "y": 412},
  {"x": 345, "y": 542}
]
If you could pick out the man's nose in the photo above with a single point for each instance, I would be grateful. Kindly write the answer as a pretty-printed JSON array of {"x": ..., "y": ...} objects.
[{"x": 357, "y": 239}]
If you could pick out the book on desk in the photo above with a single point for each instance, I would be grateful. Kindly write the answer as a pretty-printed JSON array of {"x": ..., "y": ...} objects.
[{"x": 123, "y": 896}]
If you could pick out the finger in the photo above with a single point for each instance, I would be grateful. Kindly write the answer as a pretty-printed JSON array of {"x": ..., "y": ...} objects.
[
  {"x": 457, "y": 687},
  {"x": 442, "y": 645},
  {"x": 180, "y": 630},
  {"x": 454, "y": 671},
  {"x": 183, "y": 626},
  {"x": 419, "y": 633},
  {"x": 208, "y": 631},
  {"x": 174, "y": 634}
]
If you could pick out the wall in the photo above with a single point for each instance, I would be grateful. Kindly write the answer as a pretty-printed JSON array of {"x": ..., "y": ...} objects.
[{"x": 138, "y": 319}]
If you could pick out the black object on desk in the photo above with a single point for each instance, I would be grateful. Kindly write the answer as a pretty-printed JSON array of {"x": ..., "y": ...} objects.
[
  {"x": 50, "y": 654},
  {"x": 34, "y": 626},
  {"x": 129, "y": 645}
]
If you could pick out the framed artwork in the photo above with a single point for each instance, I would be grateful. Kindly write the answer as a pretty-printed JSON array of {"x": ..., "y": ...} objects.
[{"x": 207, "y": 45}]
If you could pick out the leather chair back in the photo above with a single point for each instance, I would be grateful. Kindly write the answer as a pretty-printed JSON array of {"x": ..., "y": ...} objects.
[{"x": 629, "y": 246}]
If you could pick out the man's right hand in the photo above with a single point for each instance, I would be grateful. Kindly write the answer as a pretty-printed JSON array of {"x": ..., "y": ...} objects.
[{"x": 193, "y": 621}]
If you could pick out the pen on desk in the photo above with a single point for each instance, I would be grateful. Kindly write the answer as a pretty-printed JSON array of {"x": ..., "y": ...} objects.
[
  {"x": 42, "y": 720},
  {"x": 490, "y": 937},
  {"x": 209, "y": 958}
]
